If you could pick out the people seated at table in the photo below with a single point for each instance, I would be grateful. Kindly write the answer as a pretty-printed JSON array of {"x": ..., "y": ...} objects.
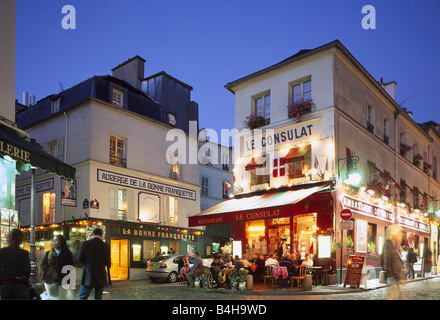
[
  {"x": 230, "y": 261},
  {"x": 286, "y": 262},
  {"x": 220, "y": 259},
  {"x": 308, "y": 262},
  {"x": 295, "y": 264},
  {"x": 197, "y": 263},
  {"x": 238, "y": 263},
  {"x": 271, "y": 261},
  {"x": 247, "y": 264},
  {"x": 183, "y": 265},
  {"x": 258, "y": 267}
]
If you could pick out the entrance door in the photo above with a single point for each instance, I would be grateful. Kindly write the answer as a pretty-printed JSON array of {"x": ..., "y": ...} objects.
[{"x": 119, "y": 258}]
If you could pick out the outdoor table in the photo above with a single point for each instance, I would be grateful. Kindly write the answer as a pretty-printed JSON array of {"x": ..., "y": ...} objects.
[
  {"x": 315, "y": 273},
  {"x": 280, "y": 271}
]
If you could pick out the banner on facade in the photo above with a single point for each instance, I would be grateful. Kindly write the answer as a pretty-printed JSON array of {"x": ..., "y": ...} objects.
[{"x": 146, "y": 185}]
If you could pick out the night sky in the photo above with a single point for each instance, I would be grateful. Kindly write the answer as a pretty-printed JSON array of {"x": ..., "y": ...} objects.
[{"x": 209, "y": 43}]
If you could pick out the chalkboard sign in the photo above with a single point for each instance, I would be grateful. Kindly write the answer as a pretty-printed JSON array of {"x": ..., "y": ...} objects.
[{"x": 354, "y": 271}]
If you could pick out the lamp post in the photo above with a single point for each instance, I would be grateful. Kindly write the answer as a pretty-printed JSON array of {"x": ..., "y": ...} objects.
[
  {"x": 354, "y": 178},
  {"x": 32, "y": 251}
]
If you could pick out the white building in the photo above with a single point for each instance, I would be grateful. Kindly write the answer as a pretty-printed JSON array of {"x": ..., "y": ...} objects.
[{"x": 129, "y": 178}]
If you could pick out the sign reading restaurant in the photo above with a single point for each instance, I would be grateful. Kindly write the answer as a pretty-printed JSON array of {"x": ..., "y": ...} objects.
[{"x": 146, "y": 185}]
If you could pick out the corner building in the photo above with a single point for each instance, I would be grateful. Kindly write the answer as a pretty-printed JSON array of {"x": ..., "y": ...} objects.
[{"x": 322, "y": 117}]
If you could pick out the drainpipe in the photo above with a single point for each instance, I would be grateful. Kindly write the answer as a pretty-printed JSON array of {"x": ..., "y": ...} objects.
[
  {"x": 396, "y": 144},
  {"x": 65, "y": 152}
]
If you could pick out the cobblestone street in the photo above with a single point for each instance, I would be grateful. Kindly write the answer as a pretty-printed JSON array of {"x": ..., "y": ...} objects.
[{"x": 427, "y": 289}]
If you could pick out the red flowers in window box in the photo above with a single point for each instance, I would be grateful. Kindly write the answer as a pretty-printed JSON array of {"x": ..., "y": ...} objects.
[{"x": 300, "y": 107}]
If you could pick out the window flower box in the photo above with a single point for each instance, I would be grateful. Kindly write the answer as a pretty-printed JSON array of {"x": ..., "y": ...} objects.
[
  {"x": 377, "y": 189},
  {"x": 426, "y": 167},
  {"x": 417, "y": 158},
  {"x": 254, "y": 121},
  {"x": 404, "y": 148},
  {"x": 300, "y": 107}
]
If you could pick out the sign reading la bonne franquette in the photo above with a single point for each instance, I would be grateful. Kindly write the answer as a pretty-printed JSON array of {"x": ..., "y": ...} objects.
[{"x": 142, "y": 184}]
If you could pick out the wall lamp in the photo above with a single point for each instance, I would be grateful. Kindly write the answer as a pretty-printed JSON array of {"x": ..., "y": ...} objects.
[{"x": 354, "y": 176}]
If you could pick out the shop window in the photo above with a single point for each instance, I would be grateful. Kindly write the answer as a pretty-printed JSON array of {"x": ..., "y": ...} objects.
[
  {"x": 256, "y": 241},
  {"x": 371, "y": 238},
  {"x": 48, "y": 208},
  {"x": 361, "y": 236},
  {"x": 150, "y": 249},
  {"x": 305, "y": 235}
]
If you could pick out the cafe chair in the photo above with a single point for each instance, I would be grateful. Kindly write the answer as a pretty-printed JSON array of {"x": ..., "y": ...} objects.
[
  {"x": 300, "y": 277},
  {"x": 269, "y": 277}
]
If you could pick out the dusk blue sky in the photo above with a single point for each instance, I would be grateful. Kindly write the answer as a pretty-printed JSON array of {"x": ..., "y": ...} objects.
[{"x": 208, "y": 43}]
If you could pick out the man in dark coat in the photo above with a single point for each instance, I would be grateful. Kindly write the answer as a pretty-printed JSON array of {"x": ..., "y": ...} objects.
[
  {"x": 15, "y": 269},
  {"x": 95, "y": 256}
]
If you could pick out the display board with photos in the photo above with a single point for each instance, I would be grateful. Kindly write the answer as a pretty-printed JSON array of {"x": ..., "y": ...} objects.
[{"x": 8, "y": 220}]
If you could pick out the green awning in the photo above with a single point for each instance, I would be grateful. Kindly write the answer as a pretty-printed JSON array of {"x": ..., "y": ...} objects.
[{"x": 11, "y": 144}]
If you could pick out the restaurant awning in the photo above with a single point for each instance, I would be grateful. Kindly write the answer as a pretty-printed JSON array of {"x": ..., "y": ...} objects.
[
  {"x": 24, "y": 152},
  {"x": 273, "y": 204},
  {"x": 296, "y": 154}
]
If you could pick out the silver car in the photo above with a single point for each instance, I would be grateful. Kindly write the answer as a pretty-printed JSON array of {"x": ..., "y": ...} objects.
[{"x": 165, "y": 267}]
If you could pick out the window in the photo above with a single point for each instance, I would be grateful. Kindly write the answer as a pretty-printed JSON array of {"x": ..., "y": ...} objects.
[
  {"x": 402, "y": 191},
  {"x": 262, "y": 107},
  {"x": 386, "y": 129},
  {"x": 302, "y": 90},
  {"x": 56, "y": 105},
  {"x": 416, "y": 198},
  {"x": 117, "y": 151},
  {"x": 204, "y": 186},
  {"x": 171, "y": 119},
  {"x": 48, "y": 208},
  {"x": 172, "y": 210},
  {"x": 299, "y": 162},
  {"x": 118, "y": 204},
  {"x": 150, "y": 249},
  {"x": 117, "y": 97},
  {"x": 174, "y": 166},
  {"x": 225, "y": 189},
  {"x": 259, "y": 170},
  {"x": 371, "y": 237},
  {"x": 370, "y": 118},
  {"x": 55, "y": 148}
]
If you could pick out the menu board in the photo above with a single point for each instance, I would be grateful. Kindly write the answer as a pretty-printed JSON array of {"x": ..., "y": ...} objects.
[{"x": 354, "y": 271}]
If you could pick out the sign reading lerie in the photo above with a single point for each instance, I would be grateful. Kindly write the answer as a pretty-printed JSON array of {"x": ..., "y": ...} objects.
[{"x": 142, "y": 184}]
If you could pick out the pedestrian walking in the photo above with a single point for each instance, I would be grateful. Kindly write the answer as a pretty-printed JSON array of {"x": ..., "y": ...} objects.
[
  {"x": 94, "y": 254},
  {"x": 15, "y": 269},
  {"x": 392, "y": 263},
  {"x": 52, "y": 269},
  {"x": 411, "y": 258}
]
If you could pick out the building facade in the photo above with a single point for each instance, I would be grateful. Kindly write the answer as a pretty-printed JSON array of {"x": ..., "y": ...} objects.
[
  {"x": 130, "y": 180},
  {"x": 305, "y": 125}
]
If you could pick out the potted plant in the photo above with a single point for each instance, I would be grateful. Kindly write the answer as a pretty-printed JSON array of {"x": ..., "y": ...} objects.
[
  {"x": 254, "y": 121},
  {"x": 350, "y": 245},
  {"x": 377, "y": 189},
  {"x": 242, "y": 281},
  {"x": 426, "y": 167},
  {"x": 371, "y": 248},
  {"x": 335, "y": 246},
  {"x": 404, "y": 148},
  {"x": 417, "y": 158},
  {"x": 198, "y": 282},
  {"x": 232, "y": 276},
  {"x": 299, "y": 107},
  {"x": 205, "y": 277}
]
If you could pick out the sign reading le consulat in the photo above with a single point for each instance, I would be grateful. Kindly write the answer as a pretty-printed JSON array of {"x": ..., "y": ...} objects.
[{"x": 142, "y": 184}]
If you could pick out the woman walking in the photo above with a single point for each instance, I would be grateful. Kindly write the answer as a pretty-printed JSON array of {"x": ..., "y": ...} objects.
[{"x": 52, "y": 264}]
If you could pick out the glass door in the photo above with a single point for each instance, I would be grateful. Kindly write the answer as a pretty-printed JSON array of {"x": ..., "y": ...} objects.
[{"x": 119, "y": 259}]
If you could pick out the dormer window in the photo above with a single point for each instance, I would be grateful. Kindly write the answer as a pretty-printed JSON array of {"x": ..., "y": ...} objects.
[
  {"x": 56, "y": 105},
  {"x": 172, "y": 119},
  {"x": 117, "y": 97}
]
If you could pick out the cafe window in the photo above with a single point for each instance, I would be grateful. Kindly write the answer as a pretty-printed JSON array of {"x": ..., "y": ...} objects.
[
  {"x": 305, "y": 235},
  {"x": 118, "y": 204},
  {"x": 256, "y": 241},
  {"x": 258, "y": 169},
  {"x": 361, "y": 236},
  {"x": 150, "y": 249},
  {"x": 117, "y": 151},
  {"x": 299, "y": 162},
  {"x": 48, "y": 208},
  {"x": 371, "y": 237}
]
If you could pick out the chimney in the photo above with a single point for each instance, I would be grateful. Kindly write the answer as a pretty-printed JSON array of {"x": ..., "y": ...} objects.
[
  {"x": 31, "y": 100},
  {"x": 390, "y": 87},
  {"x": 25, "y": 98},
  {"x": 131, "y": 71}
]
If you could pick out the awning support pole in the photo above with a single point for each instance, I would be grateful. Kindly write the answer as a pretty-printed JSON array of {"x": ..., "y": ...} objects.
[{"x": 32, "y": 253}]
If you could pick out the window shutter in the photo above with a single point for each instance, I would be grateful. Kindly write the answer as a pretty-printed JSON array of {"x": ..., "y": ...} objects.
[
  {"x": 60, "y": 149},
  {"x": 113, "y": 204},
  {"x": 130, "y": 205}
]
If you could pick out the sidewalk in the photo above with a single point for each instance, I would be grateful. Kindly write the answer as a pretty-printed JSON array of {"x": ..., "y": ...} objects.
[{"x": 259, "y": 288}]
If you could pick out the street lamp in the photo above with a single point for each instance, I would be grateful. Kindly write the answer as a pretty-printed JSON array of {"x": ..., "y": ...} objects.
[{"x": 354, "y": 176}]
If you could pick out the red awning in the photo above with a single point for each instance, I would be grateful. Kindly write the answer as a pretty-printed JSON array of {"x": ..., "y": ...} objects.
[
  {"x": 296, "y": 154},
  {"x": 256, "y": 163},
  {"x": 269, "y": 205}
]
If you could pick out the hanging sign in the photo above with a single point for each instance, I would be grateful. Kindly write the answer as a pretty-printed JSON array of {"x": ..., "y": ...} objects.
[{"x": 354, "y": 271}]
